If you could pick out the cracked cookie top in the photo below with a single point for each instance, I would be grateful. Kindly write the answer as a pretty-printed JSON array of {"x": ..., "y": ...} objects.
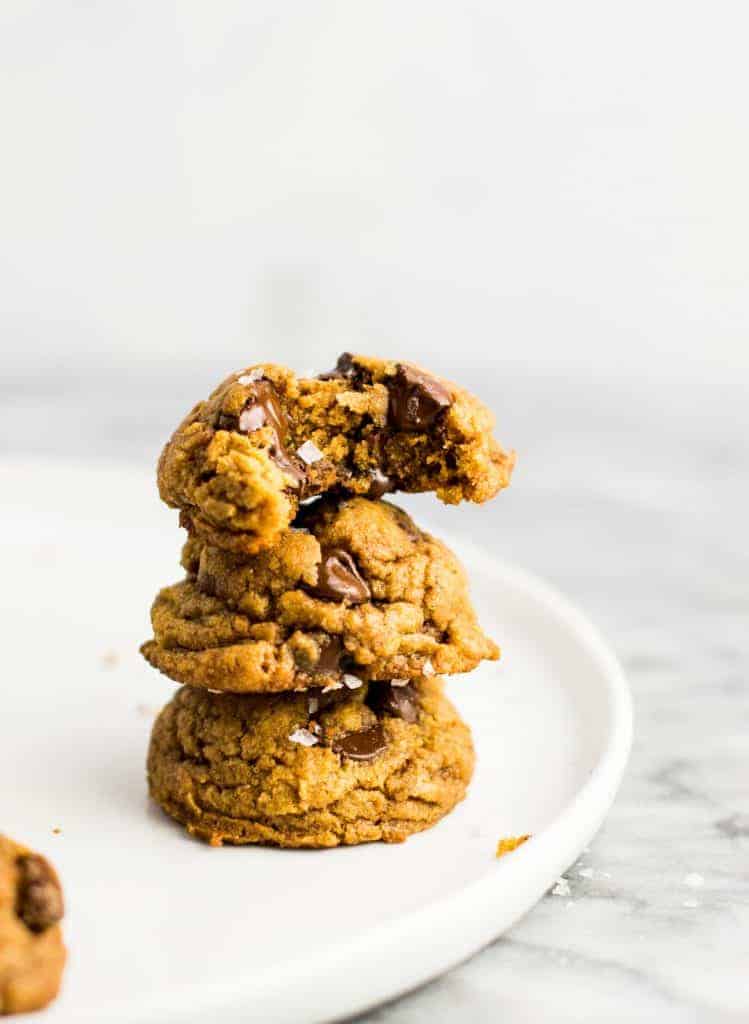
[
  {"x": 354, "y": 590},
  {"x": 241, "y": 462}
]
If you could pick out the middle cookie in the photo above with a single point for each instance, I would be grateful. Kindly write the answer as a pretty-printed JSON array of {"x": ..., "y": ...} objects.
[{"x": 354, "y": 589}]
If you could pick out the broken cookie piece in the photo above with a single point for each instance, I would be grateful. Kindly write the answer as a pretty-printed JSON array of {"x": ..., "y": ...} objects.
[
  {"x": 241, "y": 462},
  {"x": 32, "y": 954}
]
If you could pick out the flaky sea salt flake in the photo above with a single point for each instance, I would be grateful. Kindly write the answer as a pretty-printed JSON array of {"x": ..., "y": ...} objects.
[
  {"x": 693, "y": 880},
  {"x": 427, "y": 668},
  {"x": 252, "y": 377},
  {"x": 352, "y": 682},
  {"x": 309, "y": 453},
  {"x": 304, "y": 737},
  {"x": 561, "y": 888}
]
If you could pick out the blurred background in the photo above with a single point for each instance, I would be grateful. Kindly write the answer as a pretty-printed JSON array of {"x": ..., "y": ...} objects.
[
  {"x": 545, "y": 202},
  {"x": 538, "y": 188}
]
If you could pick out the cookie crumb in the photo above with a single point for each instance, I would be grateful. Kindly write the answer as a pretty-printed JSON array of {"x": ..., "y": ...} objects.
[
  {"x": 509, "y": 843},
  {"x": 146, "y": 710},
  {"x": 110, "y": 659},
  {"x": 56, "y": 831},
  {"x": 304, "y": 737}
]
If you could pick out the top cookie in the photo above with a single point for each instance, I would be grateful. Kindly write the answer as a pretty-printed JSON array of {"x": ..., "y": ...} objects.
[{"x": 239, "y": 464}]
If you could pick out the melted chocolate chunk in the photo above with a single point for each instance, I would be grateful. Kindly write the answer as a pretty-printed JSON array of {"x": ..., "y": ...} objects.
[
  {"x": 398, "y": 701},
  {"x": 39, "y": 902},
  {"x": 345, "y": 369},
  {"x": 263, "y": 409},
  {"x": 379, "y": 484},
  {"x": 364, "y": 745},
  {"x": 329, "y": 662},
  {"x": 338, "y": 578},
  {"x": 291, "y": 466},
  {"x": 416, "y": 399}
]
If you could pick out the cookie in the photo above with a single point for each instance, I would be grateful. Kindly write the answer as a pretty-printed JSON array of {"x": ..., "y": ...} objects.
[
  {"x": 310, "y": 770},
  {"x": 240, "y": 463},
  {"x": 354, "y": 588},
  {"x": 32, "y": 954}
]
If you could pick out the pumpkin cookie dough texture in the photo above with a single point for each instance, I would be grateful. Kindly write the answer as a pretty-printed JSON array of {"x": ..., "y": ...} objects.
[
  {"x": 32, "y": 954},
  {"x": 240, "y": 463},
  {"x": 354, "y": 588},
  {"x": 310, "y": 770}
]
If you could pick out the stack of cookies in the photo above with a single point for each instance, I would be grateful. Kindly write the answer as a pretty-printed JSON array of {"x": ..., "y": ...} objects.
[{"x": 315, "y": 618}]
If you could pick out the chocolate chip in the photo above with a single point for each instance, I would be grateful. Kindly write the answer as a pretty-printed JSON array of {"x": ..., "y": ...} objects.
[
  {"x": 416, "y": 399},
  {"x": 329, "y": 661},
  {"x": 345, "y": 369},
  {"x": 39, "y": 902},
  {"x": 363, "y": 745},
  {"x": 398, "y": 701},
  {"x": 263, "y": 409},
  {"x": 338, "y": 578},
  {"x": 379, "y": 484}
]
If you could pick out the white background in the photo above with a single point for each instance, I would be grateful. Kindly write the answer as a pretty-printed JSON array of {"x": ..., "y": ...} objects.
[{"x": 554, "y": 184}]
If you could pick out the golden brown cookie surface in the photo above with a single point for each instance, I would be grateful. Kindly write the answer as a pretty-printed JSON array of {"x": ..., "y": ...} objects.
[
  {"x": 354, "y": 587},
  {"x": 32, "y": 954},
  {"x": 378, "y": 763},
  {"x": 239, "y": 464}
]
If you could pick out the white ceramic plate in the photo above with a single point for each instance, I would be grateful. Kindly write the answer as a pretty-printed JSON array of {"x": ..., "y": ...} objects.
[{"x": 164, "y": 929}]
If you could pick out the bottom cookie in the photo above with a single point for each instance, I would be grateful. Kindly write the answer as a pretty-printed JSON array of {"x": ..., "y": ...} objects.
[
  {"x": 313, "y": 769},
  {"x": 32, "y": 954}
]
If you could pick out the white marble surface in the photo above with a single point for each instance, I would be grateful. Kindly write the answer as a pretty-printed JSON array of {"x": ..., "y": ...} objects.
[{"x": 631, "y": 495}]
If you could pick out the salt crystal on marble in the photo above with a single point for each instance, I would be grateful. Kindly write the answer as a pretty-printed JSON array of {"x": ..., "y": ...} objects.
[
  {"x": 690, "y": 904},
  {"x": 693, "y": 880},
  {"x": 303, "y": 737},
  {"x": 561, "y": 888},
  {"x": 586, "y": 872},
  {"x": 309, "y": 453}
]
